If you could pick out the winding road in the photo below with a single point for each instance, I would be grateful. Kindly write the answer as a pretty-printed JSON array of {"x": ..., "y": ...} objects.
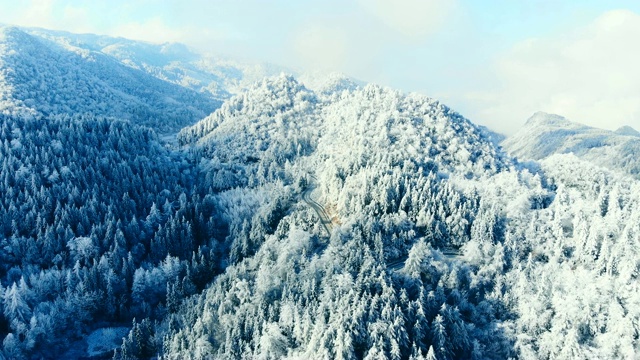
[{"x": 325, "y": 220}]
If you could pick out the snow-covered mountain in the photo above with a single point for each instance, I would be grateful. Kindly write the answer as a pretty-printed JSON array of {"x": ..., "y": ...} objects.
[
  {"x": 388, "y": 169},
  {"x": 217, "y": 76},
  {"x": 42, "y": 77},
  {"x": 628, "y": 131},
  {"x": 404, "y": 180},
  {"x": 546, "y": 134},
  {"x": 172, "y": 62}
]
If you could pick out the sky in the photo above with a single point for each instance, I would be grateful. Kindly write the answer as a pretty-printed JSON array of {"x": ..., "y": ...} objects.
[{"x": 494, "y": 61}]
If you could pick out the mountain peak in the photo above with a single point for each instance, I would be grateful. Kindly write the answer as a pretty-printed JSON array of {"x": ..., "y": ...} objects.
[
  {"x": 545, "y": 135},
  {"x": 627, "y": 131},
  {"x": 283, "y": 87},
  {"x": 543, "y": 118},
  {"x": 14, "y": 35},
  {"x": 281, "y": 82},
  {"x": 329, "y": 83},
  {"x": 4, "y": 29}
]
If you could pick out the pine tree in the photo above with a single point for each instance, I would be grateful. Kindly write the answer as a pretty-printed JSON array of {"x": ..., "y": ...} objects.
[
  {"x": 431, "y": 354},
  {"x": 440, "y": 339},
  {"x": 16, "y": 308},
  {"x": 153, "y": 219}
]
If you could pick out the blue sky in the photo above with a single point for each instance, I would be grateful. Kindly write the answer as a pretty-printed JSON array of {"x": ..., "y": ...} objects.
[{"x": 495, "y": 61}]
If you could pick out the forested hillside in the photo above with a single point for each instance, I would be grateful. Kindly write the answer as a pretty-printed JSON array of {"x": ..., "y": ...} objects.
[
  {"x": 96, "y": 219},
  {"x": 39, "y": 76},
  {"x": 406, "y": 180},
  {"x": 379, "y": 286}
]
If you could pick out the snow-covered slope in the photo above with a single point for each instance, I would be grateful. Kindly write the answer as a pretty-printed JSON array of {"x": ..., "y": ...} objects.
[
  {"x": 38, "y": 76},
  {"x": 389, "y": 170},
  {"x": 546, "y": 134},
  {"x": 172, "y": 62}
]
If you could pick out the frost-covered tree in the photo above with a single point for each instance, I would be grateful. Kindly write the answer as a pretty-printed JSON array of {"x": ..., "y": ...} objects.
[{"x": 16, "y": 309}]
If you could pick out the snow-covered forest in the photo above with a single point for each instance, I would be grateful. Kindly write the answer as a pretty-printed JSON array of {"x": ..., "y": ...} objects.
[{"x": 438, "y": 243}]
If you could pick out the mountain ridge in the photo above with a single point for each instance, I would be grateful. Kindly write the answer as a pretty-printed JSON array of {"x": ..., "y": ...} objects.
[
  {"x": 627, "y": 130},
  {"x": 178, "y": 85},
  {"x": 43, "y": 77},
  {"x": 546, "y": 134}
]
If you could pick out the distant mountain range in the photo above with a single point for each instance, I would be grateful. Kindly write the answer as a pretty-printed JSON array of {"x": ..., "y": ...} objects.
[
  {"x": 164, "y": 86},
  {"x": 547, "y": 134},
  {"x": 171, "y": 62}
]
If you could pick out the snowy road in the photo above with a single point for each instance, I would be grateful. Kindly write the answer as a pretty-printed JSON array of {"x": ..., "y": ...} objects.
[
  {"x": 325, "y": 221},
  {"x": 396, "y": 265}
]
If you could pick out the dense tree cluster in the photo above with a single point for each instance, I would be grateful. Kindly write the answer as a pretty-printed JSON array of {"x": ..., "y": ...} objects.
[
  {"x": 96, "y": 219},
  {"x": 574, "y": 283}
]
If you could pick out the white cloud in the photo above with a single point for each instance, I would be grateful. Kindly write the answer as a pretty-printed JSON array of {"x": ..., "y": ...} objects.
[
  {"x": 322, "y": 47},
  {"x": 36, "y": 13},
  {"x": 51, "y": 14},
  {"x": 98, "y": 17},
  {"x": 590, "y": 76},
  {"x": 152, "y": 30},
  {"x": 79, "y": 17},
  {"x": 414, "y": 19},
  {"x": 360, "y": 38}
]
